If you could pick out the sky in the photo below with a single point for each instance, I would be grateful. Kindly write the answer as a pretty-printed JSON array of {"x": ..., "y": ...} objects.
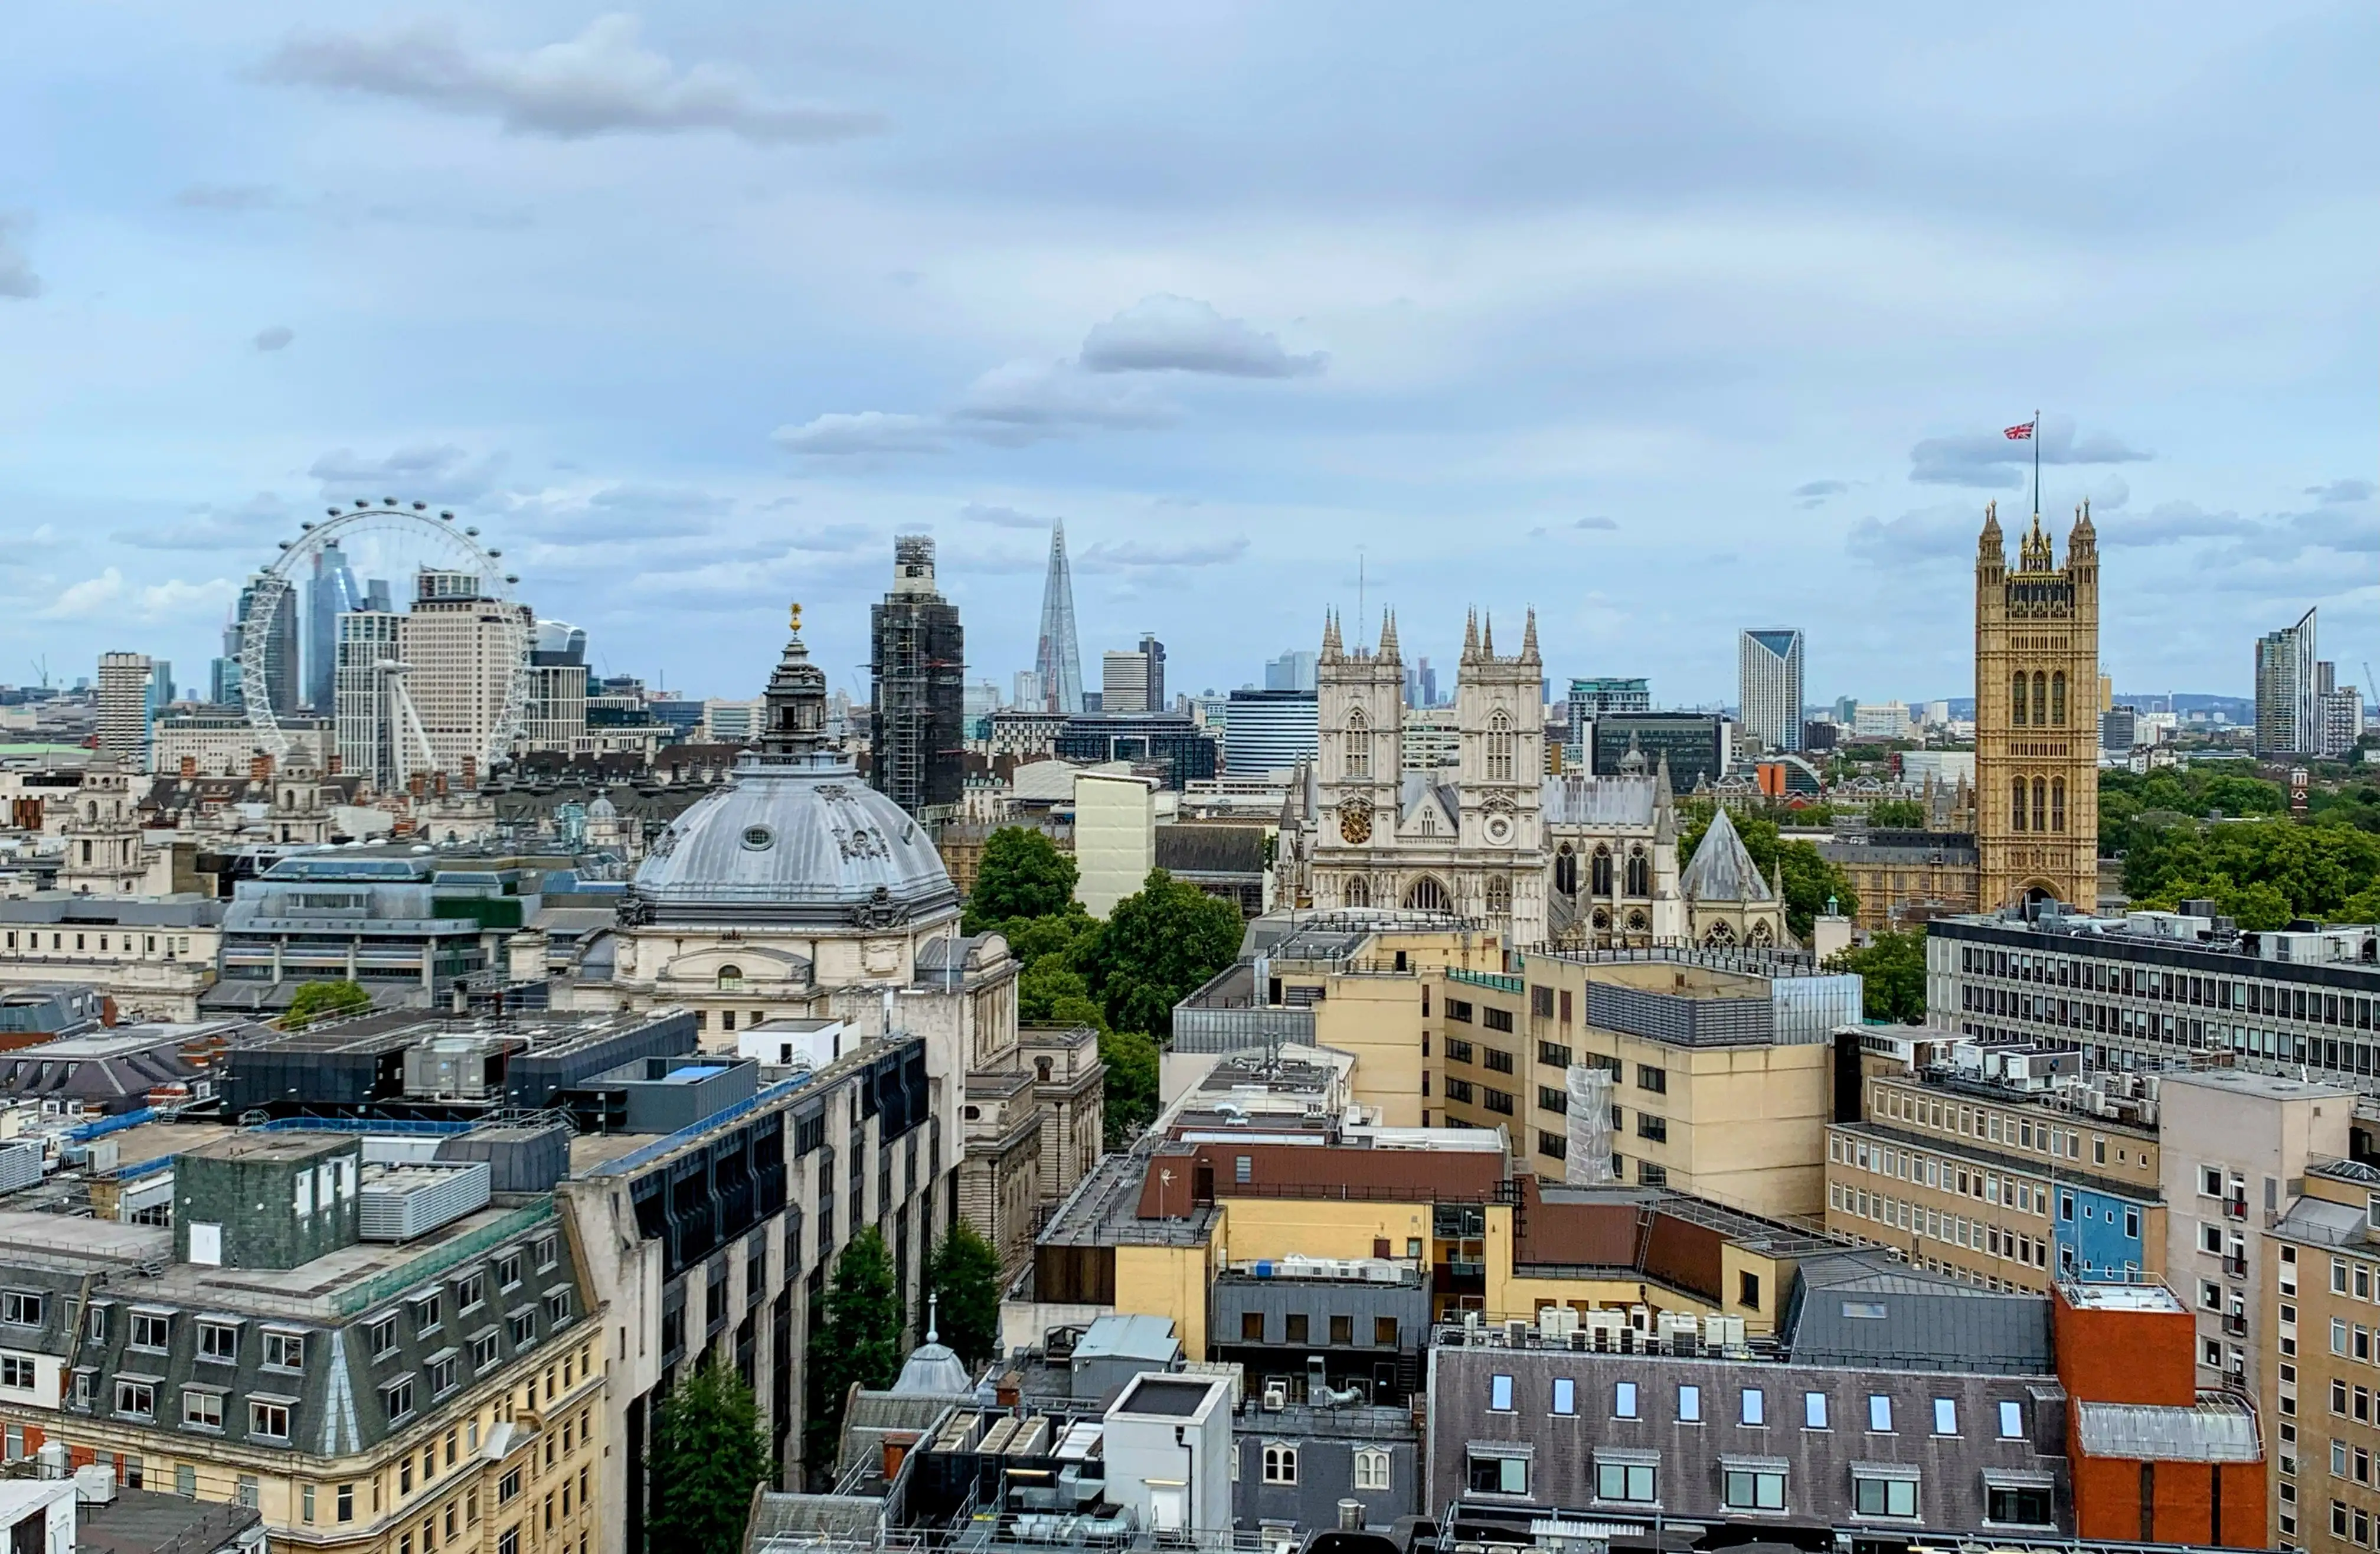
[{"x": 1662, "y": 321}]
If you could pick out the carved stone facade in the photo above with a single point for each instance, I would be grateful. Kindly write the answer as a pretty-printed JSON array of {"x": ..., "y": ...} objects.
[{"x": 2038, "y": 717}]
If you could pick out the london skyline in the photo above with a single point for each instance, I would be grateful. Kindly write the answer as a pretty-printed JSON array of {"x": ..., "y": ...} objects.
[{"x": 1663, "y": 332}]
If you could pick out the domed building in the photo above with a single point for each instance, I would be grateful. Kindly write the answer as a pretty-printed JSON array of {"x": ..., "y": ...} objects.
[{"x": 799, "y": 892}]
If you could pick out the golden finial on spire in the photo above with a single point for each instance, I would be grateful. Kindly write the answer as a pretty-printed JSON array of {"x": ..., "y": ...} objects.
[{"x": 797, "y": 623}]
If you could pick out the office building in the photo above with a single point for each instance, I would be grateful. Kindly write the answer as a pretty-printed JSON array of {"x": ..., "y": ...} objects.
[
  {"x": 269, "y": 593},
  {"x": 917, "y": 671},
  {"x": 1602, "y": 696},
  {"x": 2161, "y": 989},
  {"x": 2120, "y": 729},
  {"x": 1025, "y": 692},
  {"x": 2036, "y": 717},
  {"x": 124, "y": 710},
  {"x": 1699, "y": 747},
  {"x": 2339, "y": 712},
  {"x": 1134, "y": 681},
  {"x": 1170, "y": 742},
  {"x": 1882, "y": 719},
  {"x": 1293, "y": 671},
  {"x": 1768, "y": 680},
  {"x": 432, "y": 690},
  {"x": 731, "y": 720},
  {"x": 556, "y": 716},
  {"x": 378, "y": 736},
  {"x": 1058, "y": 660},
  {"x": 1431, "y": 739},
  {"x": 1268, "y": 730},
  {"x": 2289, "y": 707},
  {"x": 330, "y": 592}
]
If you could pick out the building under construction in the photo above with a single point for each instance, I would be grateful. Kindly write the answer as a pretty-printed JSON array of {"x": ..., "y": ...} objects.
[{"x": 917, "y": 671}]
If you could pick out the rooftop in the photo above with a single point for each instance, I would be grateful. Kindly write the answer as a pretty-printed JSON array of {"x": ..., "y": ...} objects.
[{"x": 2120, "y": 1297}]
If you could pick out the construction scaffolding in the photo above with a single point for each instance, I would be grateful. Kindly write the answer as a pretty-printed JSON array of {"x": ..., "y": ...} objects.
[{"x": 917, "y": 669}]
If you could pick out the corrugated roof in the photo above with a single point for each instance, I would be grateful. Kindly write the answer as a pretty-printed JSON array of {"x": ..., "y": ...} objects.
[
  {"x": 2218, "y": 1429},
  {"x": 1722, "y": 870}
]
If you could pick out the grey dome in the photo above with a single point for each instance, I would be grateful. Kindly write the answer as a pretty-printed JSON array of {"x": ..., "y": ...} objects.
[{"x": 807, "y": 843}]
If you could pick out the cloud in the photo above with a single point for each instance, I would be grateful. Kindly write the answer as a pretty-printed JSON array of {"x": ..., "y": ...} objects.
[
  {"x": 1001, "y": 517},
  {"x": 428, "y": 472},
  {"x": 1920, "y": 534},
  {"x": 833, "y": 539},
  {"x": 603, "y": 81},
  {"x": 1815, "y": 493},
  {"x": 274, "y": 338},
  {"x": 1993, "y": 461},
  {"x": 1170, "y": 333},
  {"x": 1131, "y": 554},
  {"x": 2341, "y": 491},
  {"x": 16, "y": 277},
  {"x": 248, "y": 526},
  {"x": 1025, "y": 401},
  {"x": 622, "y": 512},
  {"x": 227, "y": 197},
  {"x": 107, "y": 594},
  {"x": 1598, "y": 523},
  {"x": 2171, "y": 522},
  {"x": 867, "y": 431}
]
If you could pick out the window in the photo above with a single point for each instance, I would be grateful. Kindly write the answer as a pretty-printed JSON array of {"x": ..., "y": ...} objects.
[
  {"x": 382, "y": 1335},
  {"x": 469, "y": 1291},
  {"x": 219, "y": 1341},
  {"x": 1690, "y": 1405},
  {"x": 1343, "y": 1330},
  {"x": 1497, "y": 1062},
  {"x": 1371, "y": 1469},
  {"x": 1749, "y": 1488},
  {"x": 442, "y": 1374},
  {"x": 396, "y": 1399},
  {"x": 508, "y": 1541},
  {"x": 1814, "y": 1411},
  {"x": 1623, "y": 1400},
  {"x": 1877, "y": 1496},
  {"x": 425, "y": 1312},
  {"x": 483, "y": 1350},
  {"x": 1499, "y": 1393},
  {"x": 1553, "y": 1054},
  {"x": 1294, "y": 1325},
  {"x": 1565, "y": 1395},
  {"x": 17, "y": 1370},
  {"x": 1654, "y": 1079},
  {"x": 136, "y": 1400},
  {"x": 1499, "y": 1102},
  {"x": 2018, "y": 1505},
  {"x": 508, "y": 1271},
  {"x": 1252, "y": 1326},
  {"x": 1459, "y": 1009},
  {"x": 1279, "y": 1464},
  {"x": 2016, "y": 699},
  {"x": 1651, "y": 1127},
  {"x": 285, "y": 1351},
  {"x": 1879, "y": 1414},
  {"x": 202, "y": 1410},
  {"x": 1747, "y": 1290},
  {"x": 1243, "y": 1169},
  {"x": 347, "y": 1502},
  {"x": 557, "y": 1308},
  {"x": 1756, "y": 1406},
  {"x": 523, "y": 1327},
  {"x": 1384, "y": 1331},
  {"x": 1500, "y": 1020},
  {"x": 1946, "y": 1416},
  {"x": 246, "y": 1493},
  {"x": 151, "y": 1331},
  {"x": 1495, "y": 1474},
  {"x": 2012, "y": 1420},
  {"x": 508, "y": 1488},
  {"x": 1630, "y": 1482},
  {"x": 270, "y": 1421},
  {"x": 1500, "y": 741}
]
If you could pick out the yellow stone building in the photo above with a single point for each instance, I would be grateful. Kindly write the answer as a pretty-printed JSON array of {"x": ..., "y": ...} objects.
[{"x": 2036, "y": 717}]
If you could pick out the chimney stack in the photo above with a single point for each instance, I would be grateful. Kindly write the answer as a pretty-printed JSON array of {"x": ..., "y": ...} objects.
[{"x": 190, "y": 767}]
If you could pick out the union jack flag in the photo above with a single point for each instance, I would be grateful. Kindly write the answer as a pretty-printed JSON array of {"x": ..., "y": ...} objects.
[{"x": 2018, "y": 434}]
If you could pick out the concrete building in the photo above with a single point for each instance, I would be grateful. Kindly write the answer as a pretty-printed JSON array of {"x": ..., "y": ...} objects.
[
  {"x": 2036, "y": 718},
  {"x": 1269, "y": 732},
  {"x": 1115, "y": 837},
  {"x": 1768, "y": 681},
  {"x": 2339, "y": 711},
  {"x": 2320, "y": 1277},
  {"x": 1133, "y": 681},
  {"x": 221, "y": 742},
  {"x": 153, "y": 957},
  {"x": 123, "y": 708},
  {"x": 1882, "y": 719},
  {"x": 2289, "y": 706},
  {"x": 2234, "y": 1147},
  {"x": 1171, "y": 744},
  {"x": 916, "y": 678},
  {"x": 2155, "y": 990},
  {"x": 1293, "y": 671}
]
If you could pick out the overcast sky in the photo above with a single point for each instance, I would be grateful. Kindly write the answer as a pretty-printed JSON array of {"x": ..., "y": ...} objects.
[{"x": 1664, "y": 319}]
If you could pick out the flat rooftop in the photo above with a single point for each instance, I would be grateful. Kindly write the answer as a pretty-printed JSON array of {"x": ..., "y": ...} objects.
[
  {"x": 2247, "y": 1082},
  {"x": 122, "y": 1040},
  {"x": 278, "y": 1145},
  {"x": 2120, "y": 1297},
  {"x": 394, "y": 1029},
  {"x": 1171, "y": 1397}
]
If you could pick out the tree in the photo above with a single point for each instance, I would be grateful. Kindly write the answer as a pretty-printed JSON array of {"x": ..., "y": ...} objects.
[
  {"x": 1809, "y": 881},
  {"x": 1891, "y": 967},
  {"x": 859, "y": 1343},
  {"x": 1052, "y": 992},
  {"x": 2263, "y": 871},
  {"x": 322, "y": 1000},
  {"x": 1022, "y": 875},
  {"x": 1903, "y": 814},
  {"x": 1128, "y": 1096},
  {"x": 964, "y": 1280},
  {"x": 1159, "y": 946},
  {"x": 707, "y": 1455}
]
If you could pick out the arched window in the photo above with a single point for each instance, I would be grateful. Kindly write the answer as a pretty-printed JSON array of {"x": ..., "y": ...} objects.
[
  {"x": 731, "y": 978},
  {"x": 1761, "y": 936},
  {"x": 1426, "y": 895},
  {"x": 1721, "y": 935},
  {"x": 1640, "y": 873},
  {"x": 2058, "y": 804},
  {"x": 1566, "y": 871},
  {"x": 1359, "y": 745},
  {"x": 2040, "y": 699},
  {"x": 2040, "y": 804},
  {"x": 1500, "y": 897},
  {"x": 2058, "y": 699},
  {"x": 2016, "y": 810},
  {"x": 1358, "y": 892},
  {"x": 1636, "y": 922},
  {"x": 1500, "y": 740},
  {"x": 1599, "y": 876},
  {"x": 1602, "y": 918},
  {"x": 2016, "y": 699}
]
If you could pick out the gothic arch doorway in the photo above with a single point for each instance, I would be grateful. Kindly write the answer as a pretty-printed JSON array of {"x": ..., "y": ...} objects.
[{"x": 1426, "y": 894}]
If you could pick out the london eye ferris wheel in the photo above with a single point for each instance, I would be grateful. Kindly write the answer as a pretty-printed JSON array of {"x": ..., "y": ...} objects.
[{"x": 430, "y": 551}]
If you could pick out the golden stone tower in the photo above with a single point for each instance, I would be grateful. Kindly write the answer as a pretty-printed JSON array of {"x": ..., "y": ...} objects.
[{"x": 2038, "y": 717}]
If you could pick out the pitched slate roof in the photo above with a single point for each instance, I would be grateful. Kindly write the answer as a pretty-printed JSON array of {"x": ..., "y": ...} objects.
[{"x": 1722, "y": 870}]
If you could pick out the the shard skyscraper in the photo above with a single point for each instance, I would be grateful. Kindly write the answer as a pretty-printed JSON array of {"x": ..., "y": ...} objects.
[{"x": 1059, "y": 661}]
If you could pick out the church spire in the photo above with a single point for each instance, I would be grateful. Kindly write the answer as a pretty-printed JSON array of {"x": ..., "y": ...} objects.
[
  {"x": 1470, "y": 637},
  {"x": 1488, "y": 637},
  {"x": 1529, "y": 639},
  {"x": 1330, "y": 648},
  {"x": 1389, "y": 635}
]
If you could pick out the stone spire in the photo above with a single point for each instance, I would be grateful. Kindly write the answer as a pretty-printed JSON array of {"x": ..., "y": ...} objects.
[
  {"x": 1488, "y": 637},
  {"x": 1991, "y": 552},
  {"x": 1663, "y": 794},
  {"x": 1389, "y": 638},
  {"x": 2037, "y": 555},
  {"x": 1470, "y": 637},
  {"x": 1330, "y": 647},
  {"x": 1529, "y": 639},
  {"x": 795, "y": 729},
  {"x": 2083, "y": 539}
]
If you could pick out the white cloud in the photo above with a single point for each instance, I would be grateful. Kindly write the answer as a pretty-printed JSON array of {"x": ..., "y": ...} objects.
[
  {"x": 1921, "y": 534},
  {"x": 107, "y": 594},
  {"x": 2169, "y": 523},
  {"x": 2341, "y": 491},
  {"x": 1166, "y": 333},
  {"x": 867, "y": 431},
  {"x": 1994, "y": 460},
  {"x": 16, "y": 277},
  {"x": 1023, "y": 401},
  {"x": 1002, "y": 517},
  {"x": 603, "y": 82},
  {"x": 275, "y": 337},
  {"x": 1131, "y": 554},
  {"x": 426, "y": 472}
]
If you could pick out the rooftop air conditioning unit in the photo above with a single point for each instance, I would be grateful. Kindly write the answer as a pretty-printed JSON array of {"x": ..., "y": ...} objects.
[{"x": 1276, "y": 1396}]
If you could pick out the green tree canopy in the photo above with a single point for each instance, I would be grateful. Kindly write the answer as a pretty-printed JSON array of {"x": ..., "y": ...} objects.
[
  {"x": 859, "y": 1342},
  {"x": 964, "y": 1280},
  {"x": 1891, "y": 967},
  {"x": 1063, "y": 934},
  {"x": 1023, "y": 874},
  {"x": 2132, "y": 804},
  {"x": 1810, "y": 880},
  {"x": 1906, "y": 814},
  {"x": 2263, "y": 871},
  {"x": 1158, "y": 947},
  {"x": 322, "y": 1000},
  {"x": 707, "y": 1456},
  {"x": 1128, "y": 1100}
]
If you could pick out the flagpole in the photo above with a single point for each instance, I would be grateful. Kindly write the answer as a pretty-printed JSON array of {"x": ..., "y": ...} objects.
[{"x": 2037, "y": 464}]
